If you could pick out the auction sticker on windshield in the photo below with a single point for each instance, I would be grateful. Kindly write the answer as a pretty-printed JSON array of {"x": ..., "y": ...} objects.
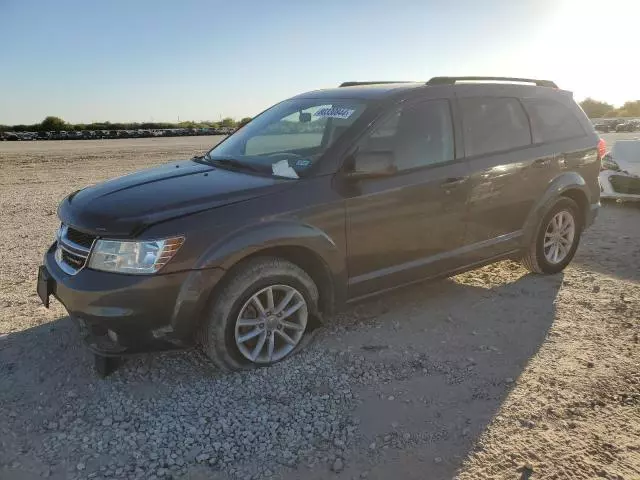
[{"x": 334, "y": 112}]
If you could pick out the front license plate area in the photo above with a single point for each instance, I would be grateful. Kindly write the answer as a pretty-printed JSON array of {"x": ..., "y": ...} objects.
[{"x": 44, "y": 285}]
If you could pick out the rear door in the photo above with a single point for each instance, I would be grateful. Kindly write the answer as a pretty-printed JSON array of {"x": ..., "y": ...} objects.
[
  {"x": 403, "y": 227},
  {"x": 562, "y": 132},
  {"x": 508, "y": 172}
]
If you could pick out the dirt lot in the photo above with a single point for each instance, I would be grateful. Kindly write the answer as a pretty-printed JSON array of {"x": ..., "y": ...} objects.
[{"x": 491, "y": 374}]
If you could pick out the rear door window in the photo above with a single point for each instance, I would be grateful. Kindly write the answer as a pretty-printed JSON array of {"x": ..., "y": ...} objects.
[
  {"x": 493, "y": 124},
  {"x": 551, "y": 121}
]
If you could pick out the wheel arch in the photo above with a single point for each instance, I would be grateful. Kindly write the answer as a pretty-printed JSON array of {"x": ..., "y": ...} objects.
[
  {"x": 570, "y": 185},
  {"x": 580, "y": 197},
  {"x": 306, "y": 246},
  {"x": 309, "y": 261}
]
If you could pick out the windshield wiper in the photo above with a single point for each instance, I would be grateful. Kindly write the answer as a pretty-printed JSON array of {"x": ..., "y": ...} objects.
[{"x": 233, "y": 163}]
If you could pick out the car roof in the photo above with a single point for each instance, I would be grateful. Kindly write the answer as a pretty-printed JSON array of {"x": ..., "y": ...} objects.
[
  {"x": 373, "y": 91},
  {"x": 384, "y": 90}
]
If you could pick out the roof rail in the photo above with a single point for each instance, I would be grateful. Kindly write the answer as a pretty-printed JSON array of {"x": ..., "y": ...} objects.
[
  {"x": 355, "y": 84},
  {"x": 453, "y": 80}
]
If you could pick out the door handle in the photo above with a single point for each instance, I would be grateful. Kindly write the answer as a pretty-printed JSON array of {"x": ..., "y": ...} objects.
[{"x": 453, "y": 182}]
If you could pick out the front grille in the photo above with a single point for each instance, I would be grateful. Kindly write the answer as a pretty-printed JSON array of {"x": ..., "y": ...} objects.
[
  {"x": 80, "y": 238},
  {"x": 75, "y": 261},
  {"x": 73, "y": 249}
]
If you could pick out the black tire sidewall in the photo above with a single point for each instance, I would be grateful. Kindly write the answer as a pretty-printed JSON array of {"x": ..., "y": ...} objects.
[
  {"x": 248, "y": 292},
  {"x": 572, "y": 207}
]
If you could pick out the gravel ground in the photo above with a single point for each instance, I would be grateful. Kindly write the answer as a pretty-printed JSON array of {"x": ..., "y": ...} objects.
[{"x": 491, "y": 374}]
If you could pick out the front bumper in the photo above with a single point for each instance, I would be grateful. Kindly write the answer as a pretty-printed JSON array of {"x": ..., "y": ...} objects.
[{"x": 126, "y": 314}]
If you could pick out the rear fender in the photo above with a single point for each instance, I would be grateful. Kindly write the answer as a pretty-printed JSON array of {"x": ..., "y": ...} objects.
[{"x": 561, "y": 184}]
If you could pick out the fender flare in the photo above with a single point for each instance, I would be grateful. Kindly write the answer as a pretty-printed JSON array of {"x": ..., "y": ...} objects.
[
  {"x": 557, "y": 188},
  {"x": 227, "y": 251},
  {"x": 230, "y": 249}
]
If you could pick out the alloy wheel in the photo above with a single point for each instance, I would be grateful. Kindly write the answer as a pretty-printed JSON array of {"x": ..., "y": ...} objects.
[
  {"x": 271, "y": 324},
  {"x": 559, "y": 236}
]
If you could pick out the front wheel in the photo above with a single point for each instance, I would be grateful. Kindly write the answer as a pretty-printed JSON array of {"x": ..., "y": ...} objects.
[
  {"x": 556, "y": 240},
  {"x": 260, "y": 315}
]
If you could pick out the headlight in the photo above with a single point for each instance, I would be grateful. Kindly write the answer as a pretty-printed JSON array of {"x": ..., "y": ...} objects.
[{"x": 133, "y": 257}]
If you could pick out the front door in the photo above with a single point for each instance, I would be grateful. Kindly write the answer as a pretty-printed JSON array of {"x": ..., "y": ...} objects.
[{"x": 404, "y": 226}]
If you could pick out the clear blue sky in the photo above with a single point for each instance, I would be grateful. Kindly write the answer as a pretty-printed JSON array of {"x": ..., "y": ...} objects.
[{"x": 140, "y": 60}]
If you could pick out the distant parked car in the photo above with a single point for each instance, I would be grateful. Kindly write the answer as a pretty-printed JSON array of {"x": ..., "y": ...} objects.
[
  {"x": 601, "y": 127},
  {"x": 43, "y": 136},
  {"x": 62, "y": 135},
  {"x": 620, "y": 175},
  {"x": 11, "y": 136},
  {"x": 625, "y": 127}
]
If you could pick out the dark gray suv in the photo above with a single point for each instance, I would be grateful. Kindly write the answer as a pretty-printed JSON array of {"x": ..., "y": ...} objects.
[{"x": 325, "y": 198}]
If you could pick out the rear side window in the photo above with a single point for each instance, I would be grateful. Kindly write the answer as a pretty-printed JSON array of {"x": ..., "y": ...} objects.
[
  {"x": 551, "y": 121},
  {"x": 493, "y": 125}
]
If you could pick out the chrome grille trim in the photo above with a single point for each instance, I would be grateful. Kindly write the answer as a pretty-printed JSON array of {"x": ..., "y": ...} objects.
[{"x": 72, "y": 248}]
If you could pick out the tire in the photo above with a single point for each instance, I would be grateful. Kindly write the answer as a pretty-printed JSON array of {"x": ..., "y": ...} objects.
[
  {"x": 536, "y": 259},
  {"x": 220, "y": 332}
]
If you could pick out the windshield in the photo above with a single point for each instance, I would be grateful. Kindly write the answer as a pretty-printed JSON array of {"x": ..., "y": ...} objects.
[{"x": 288, "y": 138}]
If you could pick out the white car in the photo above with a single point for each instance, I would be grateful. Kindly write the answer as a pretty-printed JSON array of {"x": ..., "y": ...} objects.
[{"x": 620, "y": 175}]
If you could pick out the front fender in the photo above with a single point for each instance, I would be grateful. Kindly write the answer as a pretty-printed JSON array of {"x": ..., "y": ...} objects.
[
  {"x": 558, "y": 187},
  {"x": 230, "y": 249}
]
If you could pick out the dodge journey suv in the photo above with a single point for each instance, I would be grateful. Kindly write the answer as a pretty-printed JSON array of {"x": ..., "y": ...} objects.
[{"x": 324, "y": 198}]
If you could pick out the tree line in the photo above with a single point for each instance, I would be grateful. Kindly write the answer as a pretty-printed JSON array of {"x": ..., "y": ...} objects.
[
  {"x": 597, "y": 109},
  {"x": 593, "y": 109},
  {"x": 57, "y": 124}
]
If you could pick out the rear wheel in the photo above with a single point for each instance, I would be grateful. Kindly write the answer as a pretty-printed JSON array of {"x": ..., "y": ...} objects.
[
  {"x": 260, "y": 315},
  {"x": 556, "y": 240}
]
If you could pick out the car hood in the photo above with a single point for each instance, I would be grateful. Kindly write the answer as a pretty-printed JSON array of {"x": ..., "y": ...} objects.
[{"x": 127, "y": 205}]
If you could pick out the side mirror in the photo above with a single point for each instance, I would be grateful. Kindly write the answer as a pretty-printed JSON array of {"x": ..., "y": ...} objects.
[
  {"x": 371, "y": 164},
  {"x": 304, "y": 117}
]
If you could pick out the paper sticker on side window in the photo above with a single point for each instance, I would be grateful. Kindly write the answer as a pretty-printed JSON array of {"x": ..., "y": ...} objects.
[
  {"x": 303, "y": 163},
  {"x": 334, "y": 112}
]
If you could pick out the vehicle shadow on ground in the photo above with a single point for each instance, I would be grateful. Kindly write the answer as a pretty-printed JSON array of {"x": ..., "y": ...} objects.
[
  {"x": 472, "y": 338},
  {"x": 612, "y": 246},
  {"x": 430, "y": 365}
]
